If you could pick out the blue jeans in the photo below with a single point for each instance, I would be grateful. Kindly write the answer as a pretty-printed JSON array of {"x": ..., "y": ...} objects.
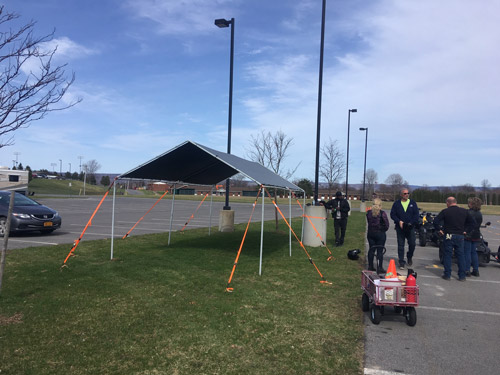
[
  {"x": 455, "y": 242},
  {"x": 409, "y": 235},
  {"x": 471, "y": 255}
]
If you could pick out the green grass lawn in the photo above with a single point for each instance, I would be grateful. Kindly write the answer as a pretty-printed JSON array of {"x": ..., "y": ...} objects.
[{"x": 158, "y": 309}]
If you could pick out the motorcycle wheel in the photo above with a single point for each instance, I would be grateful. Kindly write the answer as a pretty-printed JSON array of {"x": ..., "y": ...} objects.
[{"x": 422, "y": 237}]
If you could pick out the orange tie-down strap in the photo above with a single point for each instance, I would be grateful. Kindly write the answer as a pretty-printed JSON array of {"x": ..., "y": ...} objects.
[
  {"x": 138, "y": 221},
  {"x": 323, "y": 281},
  {"x": 228, "y": 289},
  {"x": 195, "y": 211},
  {"x": 89, "y": 223}
]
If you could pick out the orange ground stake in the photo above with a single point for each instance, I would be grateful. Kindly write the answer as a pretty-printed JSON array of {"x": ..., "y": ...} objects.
[
  {"x": 228, "y": 289},
  {"x": 138, "y": 221},
  {"x": 192, "y": 215},
  {"x": 89, "y": 223},
  {"x": 323, "y": 281}
]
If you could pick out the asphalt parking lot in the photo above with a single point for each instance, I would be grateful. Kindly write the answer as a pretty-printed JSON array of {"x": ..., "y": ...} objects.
[
  {"x": 76, "y": 212},
  {"x": 457, "y": 330}
]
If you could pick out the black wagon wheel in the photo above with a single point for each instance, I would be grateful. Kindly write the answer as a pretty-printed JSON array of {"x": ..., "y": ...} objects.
[
  {"x": 411, "y": 316},
  {"x": 375, "y": 314},
  {"x": 365, "y": 302}
]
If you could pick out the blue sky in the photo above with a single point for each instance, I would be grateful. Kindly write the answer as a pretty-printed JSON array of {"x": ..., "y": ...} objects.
[{"x": 423, "y": 75}]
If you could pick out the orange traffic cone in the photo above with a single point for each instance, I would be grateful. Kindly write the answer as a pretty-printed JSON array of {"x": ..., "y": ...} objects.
[{"x": 391, "y": 270}]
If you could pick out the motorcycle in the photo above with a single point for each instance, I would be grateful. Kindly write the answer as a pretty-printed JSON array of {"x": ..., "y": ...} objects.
[
  {"x": 484, "y": 253},
  {"x": 425, "y": 230}
]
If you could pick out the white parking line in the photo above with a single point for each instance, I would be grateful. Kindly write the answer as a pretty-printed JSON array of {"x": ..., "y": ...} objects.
[
  {"x": 459, "y": 310},
  {"x": 372, "y": 371},
  {"x": 468, "y": 279},
  {"x": 40, "y": 242}
]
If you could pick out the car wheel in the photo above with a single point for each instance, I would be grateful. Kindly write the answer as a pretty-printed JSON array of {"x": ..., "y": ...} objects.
[{"x": 3, "y": 224}]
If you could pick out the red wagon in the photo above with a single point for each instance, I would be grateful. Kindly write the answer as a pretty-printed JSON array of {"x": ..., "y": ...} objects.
[{"x": 379, "y": 293}]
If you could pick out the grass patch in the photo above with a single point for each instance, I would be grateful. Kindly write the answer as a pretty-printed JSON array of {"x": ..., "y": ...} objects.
[{"x": 164, "y": 310}]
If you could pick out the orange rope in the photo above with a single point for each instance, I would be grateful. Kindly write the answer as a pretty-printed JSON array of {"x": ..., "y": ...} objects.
[
  {"x": 75, "y": 244},
  {"x": 228, "y": 289},
  {"x": 192, "y": 215},
  {"x": 138, "y": 221},
  {"x": 323, "y": 281}
]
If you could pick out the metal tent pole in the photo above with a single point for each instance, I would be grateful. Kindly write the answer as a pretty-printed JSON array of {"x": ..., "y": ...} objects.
[
  {"x": 261, "y": 233},
  {"x": 290, "y": 213},
  {"x": 211, "y": 203},
  {"x": 303, "y": 218},
  {"x": 113, "y": 221},
  {"x": 171, "y": 216}
]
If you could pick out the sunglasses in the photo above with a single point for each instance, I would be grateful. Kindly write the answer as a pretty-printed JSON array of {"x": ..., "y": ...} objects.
[{"x": 406, "y": 193}]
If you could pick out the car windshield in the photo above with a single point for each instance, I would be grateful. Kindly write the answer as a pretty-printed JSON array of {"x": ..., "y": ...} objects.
[{"x": 19, "y": 200}]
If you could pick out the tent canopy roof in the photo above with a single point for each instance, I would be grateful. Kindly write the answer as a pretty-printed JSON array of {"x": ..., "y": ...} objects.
[{"x": 193, "y": 163}]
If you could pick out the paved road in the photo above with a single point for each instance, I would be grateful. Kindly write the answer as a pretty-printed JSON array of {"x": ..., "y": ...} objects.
[
  {"x": 457, "y": 330},
  {"x": 76, "y": 212}
]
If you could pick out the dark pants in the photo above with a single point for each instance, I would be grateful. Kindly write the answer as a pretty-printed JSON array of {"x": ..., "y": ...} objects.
[
  {"x": 402, "y": 235},
  {"x": 340, "y": 225},
  {"x": 454, "y": 242},
  {"x": 376, "y": 241}
]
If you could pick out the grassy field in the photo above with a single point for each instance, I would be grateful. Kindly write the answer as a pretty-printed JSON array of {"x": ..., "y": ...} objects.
[{"x": 164, "y": 310}]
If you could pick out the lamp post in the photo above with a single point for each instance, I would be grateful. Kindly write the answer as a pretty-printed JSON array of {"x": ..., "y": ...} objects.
[
  {"x": 320, "y": 91},
  {"x": 364, "y": 173},
  {"x": 60, "y": 167},
  {"x": 221, "y": 22},
  {"x": 347, "y": 162}
]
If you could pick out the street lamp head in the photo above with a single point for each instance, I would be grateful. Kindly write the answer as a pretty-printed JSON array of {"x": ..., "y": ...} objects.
[
  {"x": 221, "y": 22},
  {"x": 363, "y": 129},
  {"x": 353, "y": 110}
]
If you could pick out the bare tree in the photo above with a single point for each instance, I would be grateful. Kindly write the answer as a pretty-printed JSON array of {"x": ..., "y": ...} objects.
[
  {"x": 27, "y": 94},
  {"x": 396, "y": 182},
  {"x": 485, "y": 185},
  {"x": 271, "y": 150},
  {"x": 90, "y": 168},
  {"x": 371, "y": 180},
  {"x": 333, "y": 166}
]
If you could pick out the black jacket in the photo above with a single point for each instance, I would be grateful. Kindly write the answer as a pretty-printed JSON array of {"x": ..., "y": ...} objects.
[
  {"x": 340, "y": 205},
  {"x": 455, "y": 220}
]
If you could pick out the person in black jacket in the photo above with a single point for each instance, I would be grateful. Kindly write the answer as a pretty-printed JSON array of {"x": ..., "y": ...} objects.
[
  {"x": 378, "y": 223},
  {"x": 405, "y": 215},
  {"x": 340, "y": 210},
  {"x": 456, "y": 222},
  {"x": 473, "y": 237}
]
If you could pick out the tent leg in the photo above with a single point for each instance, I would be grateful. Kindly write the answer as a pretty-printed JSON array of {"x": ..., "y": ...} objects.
[
  {"x": 290, "y": 213},
  {"x": 261, "y": 234},
  {"x": 113, "y": 221},
  {"x": 303, "y": 213},
  {"x": 171, "y": 217},
  {"x": 211, "y": 203}
]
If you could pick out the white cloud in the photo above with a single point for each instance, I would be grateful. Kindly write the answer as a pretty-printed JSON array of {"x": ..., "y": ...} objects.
[{"x": 185, "y": 17}]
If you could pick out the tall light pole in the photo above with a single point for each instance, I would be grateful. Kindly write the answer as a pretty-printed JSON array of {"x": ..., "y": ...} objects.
[
  {"x": 80, "y": 157},
  {"x": 364, "y": 173},
  {"x": 221, "y": 22},
  {"x": 347, "y": 162},
  {"x": 60, "y": 167},
  {"x": 320, "y": 91}
]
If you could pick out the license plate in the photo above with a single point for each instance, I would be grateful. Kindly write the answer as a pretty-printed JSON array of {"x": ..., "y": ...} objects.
[{"x": 47, "y": 224}]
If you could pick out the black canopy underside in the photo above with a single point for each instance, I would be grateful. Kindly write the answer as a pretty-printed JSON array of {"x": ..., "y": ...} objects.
[{"x": 192, "y": 163}]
